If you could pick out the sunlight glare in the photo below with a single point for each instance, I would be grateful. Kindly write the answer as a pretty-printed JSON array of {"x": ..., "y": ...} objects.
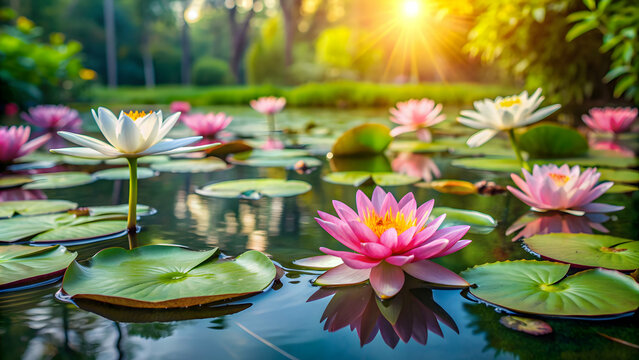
[{"x": 411, "y": 8}]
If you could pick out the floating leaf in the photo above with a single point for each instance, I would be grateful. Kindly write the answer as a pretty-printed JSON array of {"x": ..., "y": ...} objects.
[
  {"x": 60, "y": 227},
  {"x": 161, "y": 276},
  {"x": 209, "y": 164},
  {"x": 479, "y": 222},
  {"x": 141, "y": 210},
  {"x": 526, "y": 325},
  {"x": 286, "y": 158},
  {"x": 512, "y": 165},
  {"x": 154, "y": 159},
  {"x": 588, "y": 250},
  {"x": 621, "y": 188},
  {"x": 59, "y": 180},
  {"x": 357, "y": 178},
  {"x": 254, "y": 188},
  {"x": 34, "y": 207},
  {"x": 321, "y": 262},
  {"x": 72, "y": 160},
  {"x": 25, "y": 265},
  {"x": 7, "y": 182},
  {"x": 419, "y": 147},
  {"x": 456, "y": 187},
  {"x": 122, "y": 173},
  {"x": 623, "y": 176},
  {"x": 552, "y": 141},
  {"x": 365, "y": 139},
  {"x": 231, "y": 147},
  {"x": 540, "y": 287},
  {"x": 370, "y": 163}
]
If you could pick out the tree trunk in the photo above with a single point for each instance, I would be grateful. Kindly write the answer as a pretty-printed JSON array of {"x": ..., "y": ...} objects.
[
  {"x": 289, "y": 7},
  {"x": 239, "y": 37},
  {"x": 111, "y": 56},
  {"x": 186, "y": 48},
  {"x": 147, "y": 56}
]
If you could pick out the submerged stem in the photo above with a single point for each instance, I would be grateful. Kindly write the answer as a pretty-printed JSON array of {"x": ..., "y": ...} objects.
[
  {"x": 271, "y": 125},
  {"x": 515, "y": 146},
  {"x": 133, "y": 194}
]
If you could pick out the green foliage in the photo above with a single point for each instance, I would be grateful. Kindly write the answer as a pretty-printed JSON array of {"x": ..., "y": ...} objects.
[
  {"x": 265, "y": 57},
  {"x": 546, "y": 141},
  {"x": 210, "y": 71},
  {"x": 618, "y": 21}
]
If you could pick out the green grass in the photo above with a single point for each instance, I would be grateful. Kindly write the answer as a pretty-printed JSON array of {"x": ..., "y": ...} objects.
[{"x": 334, "y": 94}]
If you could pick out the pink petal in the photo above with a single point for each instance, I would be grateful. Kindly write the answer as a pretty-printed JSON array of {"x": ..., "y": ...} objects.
[
  {"x": 364, "y": 205},
  {"x": 428, "y": 250},
  {"x": 389, "y": 238},
  {"x": 377, "y": 199},
  {"x": 423, "y": 212},
  {"x": 344, "y": 212},
  {"x": 399, "y": 260},
  {"x": 452, "y": 233},
  {"x": 600, "y": 208},
  {"x": 343, "y": 275},
  {"x": 387, "y": 280},
  {"x": 341, "y": 233},
  {"x": 363, "y": 232},
  {"x": 376, "y": 250},
  {"x": 434, "y": 273},
  {"x": 353, "y": 260},
  {"x": 456, "y": 247}
]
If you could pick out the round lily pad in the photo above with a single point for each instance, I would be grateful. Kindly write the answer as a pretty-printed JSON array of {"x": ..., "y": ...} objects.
[
  {"x": 365, "y": 139},
  {"x": 286, "y": 158},
  {"x": 254, "y": 188},
  {"x": 72, "y": 160},
  {"x": 552, "y": 141},
  {"x": 618, "y": 175},
  {"x": 358, "y": 178},
  {"x": 8, "y": 182},
  {"x": 34, "y": 207},
  {"x": 230, "y": 147},
  {"x": 541, "y": 287},
  {"x": 320, "y": 262},
  {"x": 209, "y": 164},
  {"x": 587, "y": 250},
  {"x": 456, "y": 187},
  {"x": 123, "y": 209},
  {"x": 59, "y": 180},
  {"x": 122, "y": 173},
  {"x": 419, "y": 147},
  {"x": 621, "y": 188},
  {"x": 479, "y": 222},
  {"x": 162, "y": 276},
  {"x": 26, "y": 265},
  {"x": 512, "y": 165},
  {"x": 526, "y": 325}
]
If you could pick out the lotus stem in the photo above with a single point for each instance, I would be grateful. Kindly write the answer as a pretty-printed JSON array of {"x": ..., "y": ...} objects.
[
  {"x": 133, "y": 195},
  {"x": 515, "y": 146},
  {"x": 271, "y": 125}
]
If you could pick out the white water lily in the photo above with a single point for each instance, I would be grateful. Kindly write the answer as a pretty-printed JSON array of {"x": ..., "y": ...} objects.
[
  {"x": 131, "y": 135},
  {"x": 504, "y": 114}
]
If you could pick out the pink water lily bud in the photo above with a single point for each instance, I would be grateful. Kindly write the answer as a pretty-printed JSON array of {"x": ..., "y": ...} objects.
[
  {"x": 268, "y": 105},
  {"x": 566, "y": 189},
  {"x": 207, "y": 125},
  {"x": 53, "y": 118},
  {"x": 14, "y": 142},
  {"x": 390, "y": 238},
  {"x": 610, "y": 120},
  {"x": 418, "y": 116},
  {"x": 180, "y": 106}
]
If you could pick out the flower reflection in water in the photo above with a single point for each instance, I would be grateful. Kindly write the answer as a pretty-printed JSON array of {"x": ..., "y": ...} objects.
[
  {"x": 611, "y": 145},
  {"x": 417, "y": 165},
  {"x": 412, "y": 313},
  {"x": 534, "y": 223},
  {"x": 20, "y": 194}
]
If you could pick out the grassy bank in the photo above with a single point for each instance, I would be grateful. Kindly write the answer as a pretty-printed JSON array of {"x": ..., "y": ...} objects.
[{"x": 337, "y": 94}]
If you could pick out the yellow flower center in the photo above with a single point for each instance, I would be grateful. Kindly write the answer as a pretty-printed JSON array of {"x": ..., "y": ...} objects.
[
  {"x": 134, "y": 115},
  {"x": 380, "y": 224},
  {"x": 509, "y": 101},
  {"x": 560, "y": 180}
]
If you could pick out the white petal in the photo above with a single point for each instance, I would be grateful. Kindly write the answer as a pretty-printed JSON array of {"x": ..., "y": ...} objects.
[
  {"x": 539, "y": 114},
  {"x": 83, "y": 153},
  {"x": 168, "y": 144},
  {"x": 167, "y": 125},
  {"x": 89, "y": 142},
  {"x": 107, "y": 123},
  {"x": 129, "y": 137},
  {"x": 473, "y": 124},
  {"x": 146, "y": 124},
  {"x": 481, "y": 137},
  {"x": 187, "y": 149}
]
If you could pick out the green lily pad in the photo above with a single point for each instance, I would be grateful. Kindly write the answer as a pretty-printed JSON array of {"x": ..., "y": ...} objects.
[
  {"x": 34, "y": 207},
  {"x": 122, "y": 173},
  {"x": 587, "y": 250},
  {"x": 123, "y": 209},
  {"x": 59, "y": 180},
  {"x": 526, "y": 325},
  {"x": 25, "y": 265},
  {"x": 8, "y": 182},
  {"x": 72, "y": 160},
  {"x": 621, "y": 188},
  {"x": 154, "y": 159},
  {"x": 161, "y": 276},
  {"x": 512, "y": 165},
  {"x": 209, "y": 164},
  {"x": 60, "y": 227},
  {"x": 254, "y": 188},
  {"x": 479, "y": 222},
  {"x": 358, "y": 178},
  {"x": 616, "y": 175},
  {"x": 286, "y": 158},
  {"x": 365, "y": 139},
  {"x": 552, "y": 141},
  {"x": 230, "y": 147},
  {"x": 320, "y": 262},
  {"x": 456, "y": 187},
  {"x": 541, "y": 287},
  {"x": 419, "y": 147},
  {"x": 368, "y": 163}
]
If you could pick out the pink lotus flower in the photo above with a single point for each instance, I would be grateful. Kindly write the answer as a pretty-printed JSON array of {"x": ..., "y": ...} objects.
[
  {"x": 562, "y": 188},
  {"x": 272, "y": 144},
  {"x": 390, "y": 238},
  {"x": 207, "y": 125},
  {"x": 13, "y": 142},
  {"x": 418, "y": 165},
  {"x": 416, "y": 115},
  {"x": 268, "y": 105},
  {"x": 53, "y": 118},
  {"x": 556, "y": 222},
  {"x": 180, "y": 106},
  {"x": 611, "y": 120}
]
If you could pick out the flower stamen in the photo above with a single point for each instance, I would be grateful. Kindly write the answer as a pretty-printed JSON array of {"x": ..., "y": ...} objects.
[
  {"x": 379, "y": 224},
  {"x": 509, "y": 101},
  {"x": 559, "y": 179},
  {"x": 135, "y": 115}
]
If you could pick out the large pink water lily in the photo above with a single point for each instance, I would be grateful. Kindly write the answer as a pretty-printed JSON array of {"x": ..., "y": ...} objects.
[
  {"x": 416, "y": 115},
  {"x": 566, "y": 189},
  {"x": 53, "y": 118},
  {"x": 390, "y": 238},
  {"x": 14, "y": 142},
  {"x": 268, "y": 105},
  {"x": 611, "y": 120},
  {"x": 207, "y": 125}
]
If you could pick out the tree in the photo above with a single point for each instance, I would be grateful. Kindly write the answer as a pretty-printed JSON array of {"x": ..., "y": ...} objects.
[{"x": 239, "y": 39}]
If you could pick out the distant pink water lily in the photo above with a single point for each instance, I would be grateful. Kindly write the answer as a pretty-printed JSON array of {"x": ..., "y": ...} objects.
[
  {"x": 418, "y": 116},
  {"x": 272, "y": 144},
  {"x": 53, "y": 118},
  {"x": 611, "y": 145},
  {"x": 610, "y": 120},
  {"x": 207, "y": 125},
  {"x": 390, "y": 238},
  {"x": 418, "y": 165},
  {"x": 566, "y": 189},
  {"x": 268, "y": 105},
  {"x": 14, "y": 142},
  {"x": 180, "y": 106}
]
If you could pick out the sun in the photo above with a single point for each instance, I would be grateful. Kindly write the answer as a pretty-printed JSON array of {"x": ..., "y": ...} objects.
[{"x": 411, "y": 8}]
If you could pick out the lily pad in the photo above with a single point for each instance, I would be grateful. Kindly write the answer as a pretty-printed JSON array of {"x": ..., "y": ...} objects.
[
  {"x": 526, "y": 325},
  {"x": 72, "y": 160},
  {"x": 286, "y": 158},
  {"x": 34, "y": 207},
  {"x": 617, "y": 175},
  {"x": 140, "y": 210},
  {"x": 479, "y": 222},
  {"x": 541, "y": 287},
  {"x": 209, "y": 164},
  {"x": 621, "y": 188},
  {"x": 122, "y": 173},
  {"x": 320, "y": 262},
  {"x": 512, "y": 165},
  {"x": 254, "y": 188},
  {"x": 552, "y": 141},
  {"x": 8, "y": 182},
  {"x": 59, "y": 180},
  {"x": 419, "y": 147},
  {"x": 25, "y": 265},
  {"x": 230, "y": 147},
  {"x": 60, "y": 227},
  {"x": 368, "y": 163},
  {"x": 456, "y": 187},
  {"x": 365, "y": 139},
  {"x": 161, "y": 276},
  {"x": 358, "y": 178},
  {"x": 587, "y": 250},
  {"x": 154, "y": 159}
]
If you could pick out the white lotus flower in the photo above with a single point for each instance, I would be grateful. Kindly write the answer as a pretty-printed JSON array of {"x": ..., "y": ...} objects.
[
  {"x": 132, "y": 135},
  {"x": 504, "y": 114}
]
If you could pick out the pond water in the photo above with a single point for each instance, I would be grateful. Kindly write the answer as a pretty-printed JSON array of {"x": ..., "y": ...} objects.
[{"x": 282, "y": 322}]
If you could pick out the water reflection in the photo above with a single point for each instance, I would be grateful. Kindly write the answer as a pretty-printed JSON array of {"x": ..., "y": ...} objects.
[
  {"x": 418, "y": 165},
  {"x": 533, "y": 223},
  {"x": 412, "y": 313},
  {"x": 20, "y": 194}
]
